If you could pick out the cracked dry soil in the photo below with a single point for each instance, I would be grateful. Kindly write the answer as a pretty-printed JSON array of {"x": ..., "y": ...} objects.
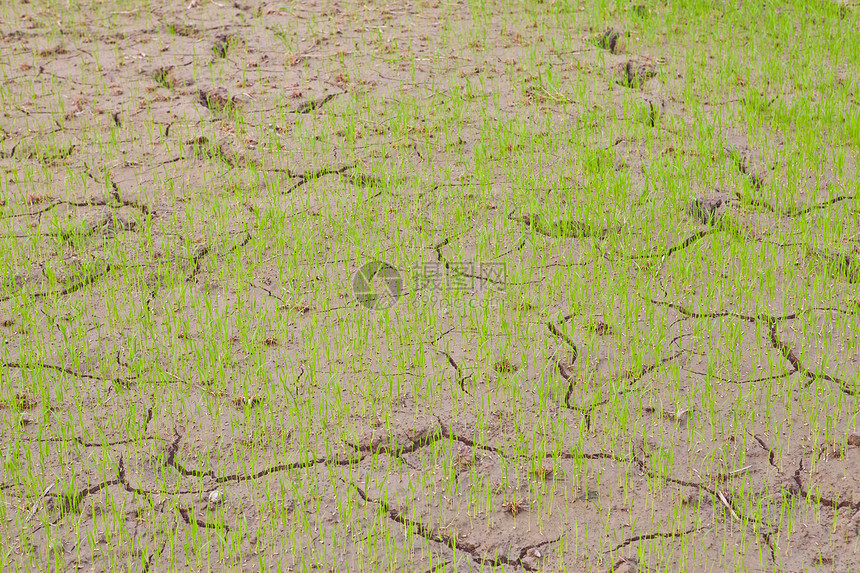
[{"x": 643, "y": 356}]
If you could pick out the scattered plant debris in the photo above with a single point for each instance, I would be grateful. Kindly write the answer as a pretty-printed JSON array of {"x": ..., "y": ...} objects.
[
  {"x": 19, "y": 401},
  {"x": 247, "y": 401},
  {"x": 516, "y": 506},
  {"x": 504, "y": 366}
]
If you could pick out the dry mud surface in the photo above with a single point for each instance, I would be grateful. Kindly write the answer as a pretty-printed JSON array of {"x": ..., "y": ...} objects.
[{"x": 622, "y": 243}]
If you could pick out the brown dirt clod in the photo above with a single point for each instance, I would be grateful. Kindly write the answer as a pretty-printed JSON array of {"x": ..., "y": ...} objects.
[
  {"x": 705, "y": 209},
  {"x": 634, "y": 73},
  {"x": 216, "y": 99},
  {"x": 609, "y": 40}
]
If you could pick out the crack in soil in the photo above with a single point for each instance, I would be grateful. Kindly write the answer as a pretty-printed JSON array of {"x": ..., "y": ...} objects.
[
  {"x": 128, "y": 202},
  {"x": 83, "y": 443},
  {"x": 797, "y": 364},
  {"x": 72, "y": 502},
  {"x": 746, "y": 317},
  {"x": 205, "y": 250},
  {"x": 189, "y": 519},
  {"x": 149, "y": 560},
  {"x": 765, "y": 447},
  {"x": 438, "y": 567},
  {"x": 715, "y": 494},
  {"x": 633, "y": 375},
  {"x": 570, "y": 229},
  {"x": 315, "y": 104},
  {"x": 423, "y": 439},
  {"x": 63, "y": 369},
  {"x": 655, "y": 535},
  {"x": 74, "y": 286},
  {"x": 770, "y": 546},
  {"x": 559, "y": 334},
  {"x": 775, "y": 341},
  {"x": 71, "y": 286},
  {"x": 757, "y": 183},
  {"x": 689, "y": 241},
  {"x": 115, "y": 194},
  {"x": 793, "y": 212},
  {"x": 742, "y": 382},
  {"x": 316, "y": 174},
  {"x": 148, "y": 493},
  {"x": 459, "y": 272},
  {"x": 238, "y": 478},
  {"x": 450, "y": 541},
  {"x": 461, "y": 379},
  {"x": 196, "y": 260},
  {"x": 50, "y": 206},
  {"x": 822, "y": 501}
]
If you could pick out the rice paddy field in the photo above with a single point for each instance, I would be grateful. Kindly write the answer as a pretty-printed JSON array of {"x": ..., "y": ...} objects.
[{"x": 429, "y": 286}]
